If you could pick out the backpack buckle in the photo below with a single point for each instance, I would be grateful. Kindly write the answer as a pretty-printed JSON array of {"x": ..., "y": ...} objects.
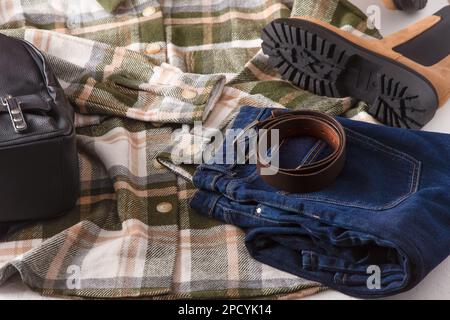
[{"x": 15, "y": 113}]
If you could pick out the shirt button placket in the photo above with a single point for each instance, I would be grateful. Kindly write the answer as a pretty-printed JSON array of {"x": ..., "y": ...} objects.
[{"x": 164, "y": 207}]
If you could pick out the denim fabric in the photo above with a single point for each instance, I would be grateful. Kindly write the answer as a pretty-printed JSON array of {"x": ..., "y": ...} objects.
[{"x": 390, "y": 208}]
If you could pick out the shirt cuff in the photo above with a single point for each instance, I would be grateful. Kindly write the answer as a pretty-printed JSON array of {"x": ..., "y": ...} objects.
[{"x": 188, "y": 97}]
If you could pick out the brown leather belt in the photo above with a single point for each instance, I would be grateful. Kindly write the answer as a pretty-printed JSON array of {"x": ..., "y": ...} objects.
[{"x": 309, "y": 177}]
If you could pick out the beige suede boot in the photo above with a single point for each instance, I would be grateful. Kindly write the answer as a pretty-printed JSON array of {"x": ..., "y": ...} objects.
[
  {"x": 404, "y": 77},
  {"x": 405, "y": 4}
]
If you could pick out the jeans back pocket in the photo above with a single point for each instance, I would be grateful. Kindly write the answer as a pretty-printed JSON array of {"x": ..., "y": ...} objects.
[{"x": 375, "y": 176}]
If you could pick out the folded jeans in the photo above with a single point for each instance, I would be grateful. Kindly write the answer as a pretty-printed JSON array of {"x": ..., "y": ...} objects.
[{"x": 388, "y": 210}]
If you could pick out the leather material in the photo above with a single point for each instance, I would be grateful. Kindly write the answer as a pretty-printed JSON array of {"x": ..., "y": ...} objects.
[
  {"x": 313, "y": 176},
  {"x": 390, "y": 4},
  {"x": 39, "y": 165},
  {"x": 405, "y": 4},
  {"x": 437, "y": 50},
  {"x": 437, "y": 74},
  {"x": 327, "y": 61}
]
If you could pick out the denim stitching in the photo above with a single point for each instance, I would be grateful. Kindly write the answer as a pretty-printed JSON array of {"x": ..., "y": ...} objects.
[
  {"x": 364, "y": 139},
  {"x": 378, "y": 146},
  {"x": 260, "y": 114},
  {"x": 414, "y": 175},
  {"x": 225, "y": 168},
  {"x": 303, "y": 271},
  {"x": 416, "y": 164},
  {"x": 230, "y": 186},
  {"x": 247, "y": 178},
  {"x": 214, "y": 167},
  {"x": 282, "y": 207},
  {"x": 214, "y": 181},
  {"x": 371, "y": 237},
  {"x": 310, "y": 153},
  {"x": 344, "y": 277},
  {"x": 319, "y": 149},
  {"x": 230, "y": 210},
  {"x": 213, "y": 206}
]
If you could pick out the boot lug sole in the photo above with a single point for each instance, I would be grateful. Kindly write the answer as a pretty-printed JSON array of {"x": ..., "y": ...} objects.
[{"x": 321, "y": 61}]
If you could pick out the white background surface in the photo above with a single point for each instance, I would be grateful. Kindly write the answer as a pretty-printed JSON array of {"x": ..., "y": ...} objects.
[{"x": 437, "y": 284}]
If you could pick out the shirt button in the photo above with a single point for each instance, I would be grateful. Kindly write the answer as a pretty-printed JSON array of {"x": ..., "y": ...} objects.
[
  {"x": 153, "y": 48},
  {"x": 157, "y": 165},
  {"x": 164, "y": 207},
  {"x": 148, "y": 11},
  {"x": 189, "y": 94}
]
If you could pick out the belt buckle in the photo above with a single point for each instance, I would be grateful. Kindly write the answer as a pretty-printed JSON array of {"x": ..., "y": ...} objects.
[{"x": 15, "y": 113}]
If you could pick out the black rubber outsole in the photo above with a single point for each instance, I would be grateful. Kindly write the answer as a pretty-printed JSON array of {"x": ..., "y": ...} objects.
[{"x": 318, "y": 60}]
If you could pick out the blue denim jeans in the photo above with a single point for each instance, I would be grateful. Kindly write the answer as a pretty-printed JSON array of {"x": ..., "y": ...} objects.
[{"x": 378, "y": 230}]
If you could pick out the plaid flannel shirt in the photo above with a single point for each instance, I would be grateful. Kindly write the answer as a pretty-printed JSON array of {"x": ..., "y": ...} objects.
[{"x": 135, "y": 71}]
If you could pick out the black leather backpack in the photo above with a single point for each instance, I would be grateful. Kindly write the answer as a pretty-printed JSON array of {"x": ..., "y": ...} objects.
[{"x": 39, "y": 175}]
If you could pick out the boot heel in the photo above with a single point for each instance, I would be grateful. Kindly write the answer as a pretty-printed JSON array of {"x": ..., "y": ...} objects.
[{"x": 396, "y": 105}]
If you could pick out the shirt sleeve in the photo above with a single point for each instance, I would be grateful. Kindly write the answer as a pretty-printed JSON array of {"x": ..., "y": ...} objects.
[{"x": 106, "y": 80}]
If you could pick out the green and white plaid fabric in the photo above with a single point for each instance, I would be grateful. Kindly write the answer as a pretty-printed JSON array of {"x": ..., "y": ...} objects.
[{"x": 135, "y": 71}]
